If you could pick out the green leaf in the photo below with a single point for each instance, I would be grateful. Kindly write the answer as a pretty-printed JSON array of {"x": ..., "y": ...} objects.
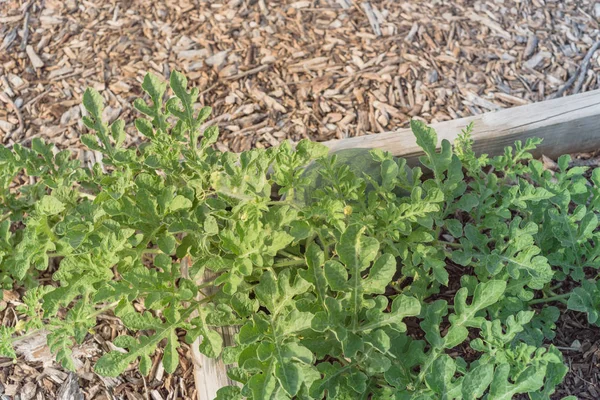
[
  {"x": 442, "y": 381},
  {"x": 180, "y": 203},
  {"x": 486, "y": 294},
  {"x": 229, "y": 393},
  {"x": 114, "y": 363},
  {"x": 262, "y": 386},
  {"x": 355, "y": 250},
  {"x": 380, "y": 274},
  {"x": 314, "y": 274},
  {"x": 138, "y": 322},
  {"x": 111, "y": 364},
  {"x": 336, "y": 275},
  {"x": 211, "y": 135},
  {"x": 427, "y": 140},
  {"x": 50, "y": 205},
  {"x": 555, "y": 373},
  {"x": 587, "y": 299},
  {"x": 179, "y": 83},
  {"x": 166, "y": 243},
  {"x": 170, "y": 358},
  {"x": 155, "y": 87},
  {"x": 212, "y": 344},
  {"x": 144, "y": 127},
  {"x": 145, "y": 364},
  {"x": 6, "y": 348},
  {"x": 289, "y": 376},
  {"x": 327, "y": 263},
  {"x": 211, "y": 227},
  {"x": 530, "y": 380},
  {"x": 118, "y": 131},
  {"x": 93, "y": 103},
  {"x": 477, "y": 381},
  {"x": 277, "y": 292},
  {"x": 455, "y": 228},
  {"x": 467, "y": 202},
  {"x": 402, "y": 307}
]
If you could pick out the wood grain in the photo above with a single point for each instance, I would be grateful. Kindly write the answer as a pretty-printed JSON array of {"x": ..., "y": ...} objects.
[
  {"x": 210, "y": 374},
  {"x": 566, "y": 125}
]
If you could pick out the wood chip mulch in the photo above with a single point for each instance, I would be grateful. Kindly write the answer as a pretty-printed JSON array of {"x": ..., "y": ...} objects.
[
  {"x": 291, "y": 69},
  {"x": 580, "y": 344},
  {"x": 271, "y": 70}
]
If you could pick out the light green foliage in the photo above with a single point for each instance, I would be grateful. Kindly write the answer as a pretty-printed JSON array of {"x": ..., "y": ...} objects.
[{"x": 334, "y": 267}]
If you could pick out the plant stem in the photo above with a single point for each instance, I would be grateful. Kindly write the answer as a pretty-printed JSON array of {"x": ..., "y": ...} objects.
[
  {"x": 5, "y": 217},
  {"x": 142, "y": 246},
  {"x": 151, "y": 251},
  {"x": 47, "y": 230},
  {"x": 455, "y": 245},
  {"x": 87, "y": 196},
  {"x": 207, "y": 299},
  {"x": 289, "y": 263},
  {"x": 92, "y": 315},
  {"x": 556, "y": 286},
  {"x": 208, "y": 283},
  {"x": 283, "y": 203},
  {"x": 558, "y": 297},
  {"x": 25, "y": 336},
  {"x": 289, "y": 255},
  {"x": 103, "y": 309}
]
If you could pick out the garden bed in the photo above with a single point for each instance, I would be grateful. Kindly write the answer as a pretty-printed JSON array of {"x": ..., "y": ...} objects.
[
  {"x": 299, "y": 69},
  {"x": 460, "y": 262}
]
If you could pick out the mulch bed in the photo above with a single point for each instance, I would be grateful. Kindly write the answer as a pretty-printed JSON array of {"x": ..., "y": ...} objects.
[
  {"x": 580, "y": 344},
  {"x": 291, "y": 69}
]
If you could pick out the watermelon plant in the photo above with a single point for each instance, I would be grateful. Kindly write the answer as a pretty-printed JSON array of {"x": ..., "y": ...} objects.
[{"x": 435, "y": 282}]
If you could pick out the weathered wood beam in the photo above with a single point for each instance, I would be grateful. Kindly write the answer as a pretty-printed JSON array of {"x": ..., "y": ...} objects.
[{"x": 567, "y": 125}]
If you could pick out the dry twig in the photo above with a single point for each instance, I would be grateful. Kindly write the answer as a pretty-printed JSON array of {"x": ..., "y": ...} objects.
[{"x": 581, "y": 72}]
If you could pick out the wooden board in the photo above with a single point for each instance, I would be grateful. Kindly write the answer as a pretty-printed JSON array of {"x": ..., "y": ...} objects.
[
  {"x": 567, "y": 125},
  {"x": 210, "y": 374}
]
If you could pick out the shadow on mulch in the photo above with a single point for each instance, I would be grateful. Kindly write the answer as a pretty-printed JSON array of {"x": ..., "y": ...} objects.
[{"x": 580, "y": 344}]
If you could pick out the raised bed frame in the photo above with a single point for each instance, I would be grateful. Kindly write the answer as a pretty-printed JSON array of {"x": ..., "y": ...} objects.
[{"x": 566, "y": 125}]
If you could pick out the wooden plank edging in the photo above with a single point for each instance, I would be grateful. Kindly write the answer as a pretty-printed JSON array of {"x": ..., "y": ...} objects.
[{"x": 568, "y": 125}]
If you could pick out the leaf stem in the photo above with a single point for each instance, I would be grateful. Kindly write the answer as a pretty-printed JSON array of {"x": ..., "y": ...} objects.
[
  {"x": 208, "y": 283},
  {"x": 103, "y": 309},
  {"x": 151, "y": 251},
  {"x": 25, "y": 336},
  {"x": 455, "y": 245},
  {"x": 556, "y": 286},
  {"x": 289, "y": 255},
  {"x": 47, "y": 230},
  {"x": 289, "y": 263},
  {"x": 558, "y": 297},
  {"x": 91, "y": 315},
  {"x": 87, "y": 196},
  {"x": 5, "y": 217},
  {"x": 208, "y": 299},
  {"x": 142, "y": 246}
]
